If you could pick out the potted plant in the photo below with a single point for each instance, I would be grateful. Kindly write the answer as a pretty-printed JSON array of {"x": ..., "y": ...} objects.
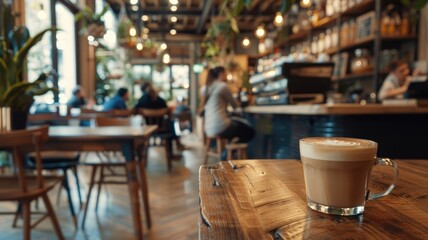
[
  {"x": 93, "y": 24},
  {"x": 16, "y": 93}
]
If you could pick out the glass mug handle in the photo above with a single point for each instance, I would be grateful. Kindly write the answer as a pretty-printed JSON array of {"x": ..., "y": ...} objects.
[{"x": 385, "y": 162}]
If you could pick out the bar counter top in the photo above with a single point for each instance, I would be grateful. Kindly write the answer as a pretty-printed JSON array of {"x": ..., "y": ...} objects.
[{"x": 337, "y": 109}]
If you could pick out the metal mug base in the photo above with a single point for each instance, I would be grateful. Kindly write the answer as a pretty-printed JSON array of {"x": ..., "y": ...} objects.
[{"x": 335, "y": 210}]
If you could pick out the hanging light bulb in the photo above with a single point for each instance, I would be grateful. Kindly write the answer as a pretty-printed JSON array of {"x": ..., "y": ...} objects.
[
  {"x": 133, "y": 2},
  {"x": 132, "y": 32},
  {"x": 305, "y": 3},
  {"x": 173, "y": 32},
  {"x": 173, "y": 2},
  {"x": 163, "y": 46},
  {"x": 279, "y": 20},
  {"x": 139, "y": 46},
  {"x": 174, "y": 19},
  {"x": 173, "y": 8},
  {"x": 246, "y": 42},
  {"x": 166, "y": 58},
  {"x": 145, "y": 18},
  {"x": 146, "y": 30},
  {"x": 260, "y": 31}
]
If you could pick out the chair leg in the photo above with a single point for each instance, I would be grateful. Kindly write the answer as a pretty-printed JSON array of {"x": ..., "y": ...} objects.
[
  {"x": 17, "y": 214},
  {"x": 70, "y": 201},
  {"x": 76, "y": 176},
  {"x": 88, "y": 197},
  {"x": 101, "y": 179},
  {"x": 91, "y": 185},
  {"x": 52, "y": 216},
  {"x": 27, "y": 219}
]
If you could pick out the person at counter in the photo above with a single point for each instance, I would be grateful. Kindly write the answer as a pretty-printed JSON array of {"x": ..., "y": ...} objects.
[
  {"x": 77, "y": 100},
  {"x": 396, "y": 83},
  {"x": 217, "y": 96}
]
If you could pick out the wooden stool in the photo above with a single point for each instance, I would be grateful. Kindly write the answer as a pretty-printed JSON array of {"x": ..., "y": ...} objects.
[
  {"x": 241, "y": 149},
  {"x": 210, "y": 152}
]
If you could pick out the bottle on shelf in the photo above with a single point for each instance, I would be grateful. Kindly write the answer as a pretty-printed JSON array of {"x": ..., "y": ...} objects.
[
  {"x": 344, "y": 33},
  {"x": 405, "y": 24},
  {"x": 362, "y": 62},
  {"x": 385, "y": 22},
  {"x": 397, "y": 23},
  {"x": 327, "y": 39}
]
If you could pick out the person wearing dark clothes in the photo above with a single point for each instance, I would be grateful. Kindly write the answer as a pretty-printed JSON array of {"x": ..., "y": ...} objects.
[
  {"x": 77, "y": 100},
  {"x": 118, "y": 101},
  {"x": 150, "y": 98}
]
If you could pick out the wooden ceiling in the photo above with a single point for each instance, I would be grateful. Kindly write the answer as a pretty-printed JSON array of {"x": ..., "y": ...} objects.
[{"x": 194, "y": 16}]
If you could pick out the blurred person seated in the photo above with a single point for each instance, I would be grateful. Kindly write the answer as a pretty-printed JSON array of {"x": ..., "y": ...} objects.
[
  {"x": 117, "y": 102},
  {"x": 151, "y": 100},
  {"x": 77, "y": 100}
]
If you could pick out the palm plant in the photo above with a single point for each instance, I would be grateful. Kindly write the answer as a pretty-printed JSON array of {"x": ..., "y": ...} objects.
[{"x": 15, "y": 44}]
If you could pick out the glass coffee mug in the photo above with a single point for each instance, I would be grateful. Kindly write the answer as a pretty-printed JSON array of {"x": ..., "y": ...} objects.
[{"x": 337, "y": 172}]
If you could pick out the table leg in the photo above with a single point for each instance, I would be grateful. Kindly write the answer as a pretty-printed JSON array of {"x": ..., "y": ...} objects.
[
  {"x": 128, "y": 152},
  {"x": 145, "y": 193}
]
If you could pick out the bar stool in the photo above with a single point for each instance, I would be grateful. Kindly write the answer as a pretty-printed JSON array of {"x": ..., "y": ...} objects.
[
  {"x": 240, "y": 148},
  {"x": 211, "y": 152}
]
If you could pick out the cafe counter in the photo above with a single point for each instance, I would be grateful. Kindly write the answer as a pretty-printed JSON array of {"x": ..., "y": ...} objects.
[{"x": 401, "y": 131}]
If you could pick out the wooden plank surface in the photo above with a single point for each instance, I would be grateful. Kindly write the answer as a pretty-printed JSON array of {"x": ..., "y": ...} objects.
[
  {"x": 337, "y": 109},
  {"x": 265, "y": 199}
]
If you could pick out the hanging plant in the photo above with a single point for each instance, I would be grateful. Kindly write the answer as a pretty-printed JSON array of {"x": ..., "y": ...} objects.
[
  {"x": 93, "y": 24},
  {"x": 124, "y": 37}
]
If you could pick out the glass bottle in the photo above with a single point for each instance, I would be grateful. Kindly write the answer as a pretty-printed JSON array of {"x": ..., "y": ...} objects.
[
  {"x": 397, "y": 23},
  {"x": 352, "y": 31},
  {"x": 321, "y": 43},
  {"x": 405, "y": 24},
  {"x": 314, "y": 45},
  {"x": 362, "y": 61},
  {"x": 327, "y": 39},
  {"x": 334, "y": 37},
  {"x": 385, "y": 22},
  {"x": 344, "y": 33}
]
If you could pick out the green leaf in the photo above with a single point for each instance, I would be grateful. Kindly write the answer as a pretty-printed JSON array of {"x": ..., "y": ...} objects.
[
  {"x": 234, "y": 25},
  {"x": 419, "y": 4},
  {"x": 286, "y": 5},
  {"x": 239, "y": 5},
  {"x": 405, "y": 2}
]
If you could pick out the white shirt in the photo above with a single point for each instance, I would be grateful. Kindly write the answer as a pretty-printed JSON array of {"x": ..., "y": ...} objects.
[
  {"x": 390, "y": 83},
  {"x": 216, "y": 117}
]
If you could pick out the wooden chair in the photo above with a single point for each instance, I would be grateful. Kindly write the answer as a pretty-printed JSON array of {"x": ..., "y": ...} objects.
[
  {"x": 160, "y": 117},
  {"x": 105, "y": 163},
  {"x": 221, "y": 144},
  {"x": 23, "y": 187}
]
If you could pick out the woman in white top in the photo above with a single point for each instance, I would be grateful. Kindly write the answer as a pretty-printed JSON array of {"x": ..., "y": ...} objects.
[
  {"x": 217, "y": 97},
  {"x": 396, "y": 83}
]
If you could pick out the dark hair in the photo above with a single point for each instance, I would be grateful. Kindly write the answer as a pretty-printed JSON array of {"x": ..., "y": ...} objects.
[
  {"x": 217, "y": 71},
  {"x": 213, "y": 74},
  {"x": 392, "y": 66},
  {"x": 147, "y": 88},
  {"x": 76, "y": 90},
  {"x": 122, "y": 92}
]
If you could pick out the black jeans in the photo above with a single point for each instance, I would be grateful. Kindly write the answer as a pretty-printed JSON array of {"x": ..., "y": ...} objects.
[{"x": 240, "y": 130}]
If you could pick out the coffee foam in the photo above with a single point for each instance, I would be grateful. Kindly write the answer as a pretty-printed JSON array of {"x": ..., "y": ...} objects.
[{"x": 338, "y": 149}]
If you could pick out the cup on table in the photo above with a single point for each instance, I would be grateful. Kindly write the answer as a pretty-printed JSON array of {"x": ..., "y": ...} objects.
[{"x": 337, "y": 172}]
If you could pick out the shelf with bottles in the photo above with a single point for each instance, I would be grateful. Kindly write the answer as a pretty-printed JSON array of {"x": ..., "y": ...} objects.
[
  {"x": 351, "y": 76},
  {"x": 360, "y": 7}
]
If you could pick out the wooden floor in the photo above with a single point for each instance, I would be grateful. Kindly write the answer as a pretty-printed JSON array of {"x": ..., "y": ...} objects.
[{"x": 174, "y": 204}]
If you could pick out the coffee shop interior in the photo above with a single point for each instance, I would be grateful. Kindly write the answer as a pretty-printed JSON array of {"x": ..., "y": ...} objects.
[{"x": 119, "y": 118}]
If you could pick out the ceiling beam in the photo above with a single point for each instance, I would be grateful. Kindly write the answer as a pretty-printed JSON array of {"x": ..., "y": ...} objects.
[
  {"x": 204, "y": 16},
  {"x": 157, "y": 11}
]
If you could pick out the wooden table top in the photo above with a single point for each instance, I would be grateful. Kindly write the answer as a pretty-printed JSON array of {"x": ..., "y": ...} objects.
[
  {"x": 337, "y": 109},
  {"x": 114, "y": 132},
  {"x": 265, "y": 199}
]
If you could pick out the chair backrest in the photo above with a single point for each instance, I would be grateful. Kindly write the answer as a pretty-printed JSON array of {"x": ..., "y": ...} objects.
[
  {"x": 159, "y": 117},
  {"x": 25, "y": 139},
  {"x": 112, "y": 121},
  {"x": 120, "y": 112}
]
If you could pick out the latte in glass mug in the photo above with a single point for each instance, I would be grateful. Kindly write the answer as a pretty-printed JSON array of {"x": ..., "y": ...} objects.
[{"x": 337, "y": 172}]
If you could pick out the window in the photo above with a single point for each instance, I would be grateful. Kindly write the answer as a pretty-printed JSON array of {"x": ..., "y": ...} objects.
[
  {"x": 66, "y": 45},
  {"x": 37, "y": 15}
]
